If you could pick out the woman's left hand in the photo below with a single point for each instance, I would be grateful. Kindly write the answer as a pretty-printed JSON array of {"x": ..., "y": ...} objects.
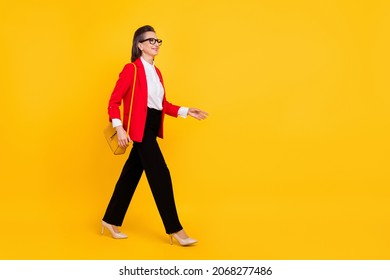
[{"x": 197, "y": 113}]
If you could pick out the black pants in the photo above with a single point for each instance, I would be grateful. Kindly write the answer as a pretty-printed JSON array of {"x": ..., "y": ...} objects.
[{"x": 145, "y": 155}]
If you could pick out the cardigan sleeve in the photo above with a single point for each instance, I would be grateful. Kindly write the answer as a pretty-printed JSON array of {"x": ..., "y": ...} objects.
[
  {"x": 170, "y": 109},
  {"x": 121, "y": 88}
]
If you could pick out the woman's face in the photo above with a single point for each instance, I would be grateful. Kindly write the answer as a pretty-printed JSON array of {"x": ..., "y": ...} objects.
[{"x": 147, "y": 47}]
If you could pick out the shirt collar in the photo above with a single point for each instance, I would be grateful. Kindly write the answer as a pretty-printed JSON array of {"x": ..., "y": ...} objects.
[{"x": 146, "y": 64}]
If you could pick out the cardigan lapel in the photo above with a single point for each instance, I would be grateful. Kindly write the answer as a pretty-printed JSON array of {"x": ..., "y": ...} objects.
[{"x": 141, "y": 77}]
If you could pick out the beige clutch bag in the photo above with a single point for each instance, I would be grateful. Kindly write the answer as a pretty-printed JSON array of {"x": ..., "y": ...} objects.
[{"x": 110, "y": 132}]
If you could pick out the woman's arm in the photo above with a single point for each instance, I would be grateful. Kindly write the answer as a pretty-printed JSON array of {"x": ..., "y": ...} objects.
[
  {"x": 121, "y": 88},
  {"x": 173, "y": 110}
]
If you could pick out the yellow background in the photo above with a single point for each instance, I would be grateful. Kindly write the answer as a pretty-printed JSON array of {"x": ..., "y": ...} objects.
[{"x": 292, "y": 162}]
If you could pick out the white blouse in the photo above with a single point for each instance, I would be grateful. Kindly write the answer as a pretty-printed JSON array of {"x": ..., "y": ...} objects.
[{"x": 155, "y": 88}]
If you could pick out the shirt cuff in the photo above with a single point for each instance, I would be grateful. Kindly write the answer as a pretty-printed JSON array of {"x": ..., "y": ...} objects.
[
  {"x": 183, "y": 112},
  {"x": 116, "y": 122}
]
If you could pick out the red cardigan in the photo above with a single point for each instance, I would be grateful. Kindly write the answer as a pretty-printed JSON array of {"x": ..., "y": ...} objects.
[{"x": 123, "y": 90}]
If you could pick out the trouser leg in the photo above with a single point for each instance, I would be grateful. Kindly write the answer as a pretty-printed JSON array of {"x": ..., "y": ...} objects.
[
  {"x": 124, "y": 190},
  {"x": 158, "y": 176}
]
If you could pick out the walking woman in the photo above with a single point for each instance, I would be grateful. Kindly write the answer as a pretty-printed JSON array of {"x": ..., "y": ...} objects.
[{"x": 149, "y": 105}]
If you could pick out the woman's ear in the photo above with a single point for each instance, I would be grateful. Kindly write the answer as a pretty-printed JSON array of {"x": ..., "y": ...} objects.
[{"x": 140, "y": 46}]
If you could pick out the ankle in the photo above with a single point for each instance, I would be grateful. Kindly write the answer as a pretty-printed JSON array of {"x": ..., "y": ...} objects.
[
  {"x": 182, "y": 234},
  {"x": 114, "y": 228}
]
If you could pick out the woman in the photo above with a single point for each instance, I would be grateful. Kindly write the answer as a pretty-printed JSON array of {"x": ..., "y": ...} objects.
[{"x": 146, "y": 123}]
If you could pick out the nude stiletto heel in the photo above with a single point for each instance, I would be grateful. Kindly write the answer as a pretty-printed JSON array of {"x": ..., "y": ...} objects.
[
  {"x": 116, "y": 235},
  {"x": 182, "y": 241}
]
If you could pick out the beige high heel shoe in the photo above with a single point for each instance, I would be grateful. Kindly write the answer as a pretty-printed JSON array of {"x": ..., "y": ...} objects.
[
  {"x": 116, "y": 235},
  {"x": 182, "y": 241}
]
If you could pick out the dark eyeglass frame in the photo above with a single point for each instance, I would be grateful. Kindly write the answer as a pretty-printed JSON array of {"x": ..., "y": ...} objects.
[{"x": 152, "y": 41}]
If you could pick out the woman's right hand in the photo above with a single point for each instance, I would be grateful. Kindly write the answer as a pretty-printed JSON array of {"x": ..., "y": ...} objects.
[{"x": 123, "y": 138}]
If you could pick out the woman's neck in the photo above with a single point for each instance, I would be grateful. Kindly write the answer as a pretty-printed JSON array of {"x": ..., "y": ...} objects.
[{"x": 148, "y": 59}]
